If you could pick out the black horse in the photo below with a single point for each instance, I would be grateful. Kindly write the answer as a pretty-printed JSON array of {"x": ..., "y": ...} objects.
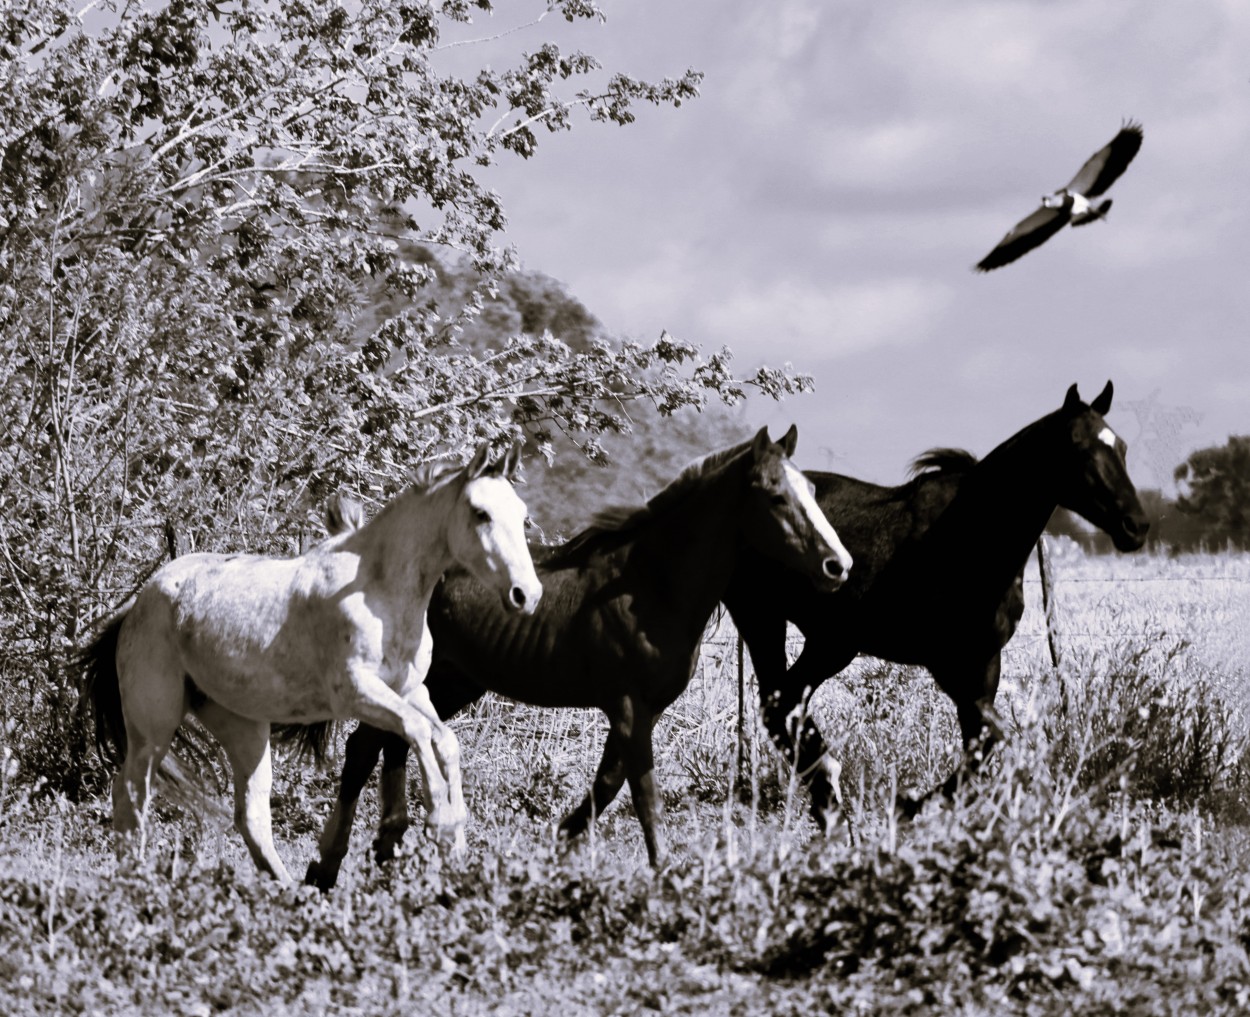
[
  {"x": 623, "y": 611},
  {"x": 938, "y": 579},
  {"x": 938, "y": 582}
]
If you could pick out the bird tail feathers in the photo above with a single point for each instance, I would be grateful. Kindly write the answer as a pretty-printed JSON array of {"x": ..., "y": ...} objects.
[{"x": 1097, "y": 212}]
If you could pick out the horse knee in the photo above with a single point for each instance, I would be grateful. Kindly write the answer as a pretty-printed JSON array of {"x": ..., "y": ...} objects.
[{"x": 447, "y": 745}]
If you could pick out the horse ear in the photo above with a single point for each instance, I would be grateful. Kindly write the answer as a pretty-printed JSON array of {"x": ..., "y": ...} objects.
[
  {"x": 1072, "y": 400},
  {"x": 1102, "y": 402},
  {"x": 511, "y": 460},
  {"x": 478, "y": 464},
  {"x": 344, "y": 513},
  {"x": 789, "y": 440},
  {"x": 760, "y": 443}
]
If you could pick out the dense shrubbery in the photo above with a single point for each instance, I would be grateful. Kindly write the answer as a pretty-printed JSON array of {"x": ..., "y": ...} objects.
[{"x": 1097, "y": 865}]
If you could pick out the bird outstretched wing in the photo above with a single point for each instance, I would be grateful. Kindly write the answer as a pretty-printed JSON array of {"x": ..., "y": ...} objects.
[
  {"x": 1030, "y": 232},
  {"x": 1104, "y": 167}
]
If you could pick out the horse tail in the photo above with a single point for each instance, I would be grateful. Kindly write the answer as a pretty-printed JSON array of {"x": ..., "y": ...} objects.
[
  {"x": 307, "y": 740},
  {"x": 96, "y": 665}
]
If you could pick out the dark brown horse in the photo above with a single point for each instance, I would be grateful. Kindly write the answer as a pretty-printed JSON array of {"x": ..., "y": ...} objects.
[
  {"x": 938, "y": 578},
  {"x": 623, "y": 611}
]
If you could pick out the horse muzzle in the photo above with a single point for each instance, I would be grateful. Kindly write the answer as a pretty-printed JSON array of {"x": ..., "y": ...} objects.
[
  {"x": 1130, "y": 535},
  {"x": 523, "y": 598},
  {"x": 833, "y": 573}
]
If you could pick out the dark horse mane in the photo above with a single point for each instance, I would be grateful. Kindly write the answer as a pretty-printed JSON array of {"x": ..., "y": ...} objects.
[
  {"x": 617, "y": 520},
  {"x": 942, "y": 460}
]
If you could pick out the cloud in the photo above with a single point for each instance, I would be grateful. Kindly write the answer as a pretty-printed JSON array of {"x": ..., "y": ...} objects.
[
  {"x": 824, "y": 200},
  {"x": 808, "y": 319}
]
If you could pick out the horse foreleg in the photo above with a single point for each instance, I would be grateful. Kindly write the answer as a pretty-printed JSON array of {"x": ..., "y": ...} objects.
[
  {"x": 246, "y": 742},
  {"x": 449, "y": 813},
  {"x": 609, "y": 779},
  {"x": 973, "y": 691},
  {"x": 784, "y": 706},
  {"x": 449, "y": 693},
  {"x": 380, "y": 706},
  {"x": 359, "y": 758}
]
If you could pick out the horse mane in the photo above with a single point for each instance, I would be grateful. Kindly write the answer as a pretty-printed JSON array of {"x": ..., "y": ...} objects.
[
  {"x": 344, "y": 514},
  {"x": 430, "y": 476},
  {"x": 622, "y": 519},
  {"x": 942, "y": 460}
]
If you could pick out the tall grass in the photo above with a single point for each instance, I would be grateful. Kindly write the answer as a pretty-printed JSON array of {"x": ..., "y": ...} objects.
[{"x": 1096, "y": 864}]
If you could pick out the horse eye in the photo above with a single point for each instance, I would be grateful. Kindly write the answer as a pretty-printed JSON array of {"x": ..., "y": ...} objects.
[
  {"x": 779, "y": 500},
  {"x": 481, "y": 515},
  {"x": 529, "y": 523}
]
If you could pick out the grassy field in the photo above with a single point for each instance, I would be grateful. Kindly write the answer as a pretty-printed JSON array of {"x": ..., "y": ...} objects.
[{"x": 1099, "y": 867}]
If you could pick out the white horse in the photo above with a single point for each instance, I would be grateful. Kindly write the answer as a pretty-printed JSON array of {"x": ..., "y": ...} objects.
[{"x": 243, "y": 641}]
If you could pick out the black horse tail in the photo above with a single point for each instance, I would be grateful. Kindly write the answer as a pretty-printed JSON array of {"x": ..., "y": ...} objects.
[
  {"x": 96, "y": 665},
  {"x": 310, "y": 740},
  {"x": 943, "y": 460}
]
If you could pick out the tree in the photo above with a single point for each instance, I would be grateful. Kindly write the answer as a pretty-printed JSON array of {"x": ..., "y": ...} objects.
[
  {"x": 197, "y": 200},
  {"x": 1215, "y": 487}
]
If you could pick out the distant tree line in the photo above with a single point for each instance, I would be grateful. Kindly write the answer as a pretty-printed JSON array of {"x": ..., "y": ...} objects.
[{"x": 1211, "y": 512}]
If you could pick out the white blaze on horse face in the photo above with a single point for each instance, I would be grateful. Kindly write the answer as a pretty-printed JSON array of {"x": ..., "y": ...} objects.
[
  {"x": 496, "y": 551},
  {"x": 1107, "y": 437},
  {"x": 802, "y": 490}
]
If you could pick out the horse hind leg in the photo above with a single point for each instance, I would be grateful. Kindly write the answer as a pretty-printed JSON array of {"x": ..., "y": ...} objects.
[
  {"x": 627, "y": 754},
  {"x": 154, "y": 701},
  {"x": 246, "y": 742},
  {"x": 609, "y": 779},
  {"x": 635, "y": 731}
]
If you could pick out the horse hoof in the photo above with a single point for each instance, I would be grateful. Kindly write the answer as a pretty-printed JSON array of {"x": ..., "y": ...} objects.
[
  {"x": 908, "y": 808},
  {"x": 449, "y": 840},
  {"x": 571, "y": 827},
  {"x": 321, "y": 876}
]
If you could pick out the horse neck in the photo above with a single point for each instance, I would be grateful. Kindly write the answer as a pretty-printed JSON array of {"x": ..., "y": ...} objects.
[
  {"x": 405, "y": 548},
  {"x": 694, "y": 543},
  {"x": 1004, "y": 504}
]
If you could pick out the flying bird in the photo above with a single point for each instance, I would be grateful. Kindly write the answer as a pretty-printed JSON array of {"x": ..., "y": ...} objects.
[{"x": 1070, "y": 204}]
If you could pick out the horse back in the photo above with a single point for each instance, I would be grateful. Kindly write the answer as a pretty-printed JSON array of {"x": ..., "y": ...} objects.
[
  {"x": 590, "y": 639},
  {"x": 263, "y": 636}
]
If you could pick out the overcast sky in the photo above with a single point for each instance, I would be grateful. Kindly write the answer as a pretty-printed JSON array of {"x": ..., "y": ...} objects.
[{"x": 824, "y": 199}]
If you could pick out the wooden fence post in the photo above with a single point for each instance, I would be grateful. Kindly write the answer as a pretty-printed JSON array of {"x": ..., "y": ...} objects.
[{"x": 1048, "y": 601}]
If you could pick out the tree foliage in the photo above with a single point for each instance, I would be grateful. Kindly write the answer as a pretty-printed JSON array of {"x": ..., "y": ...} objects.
[
  {"x": 1215, "y": 485},
  {"x": 199, "y": 202}
]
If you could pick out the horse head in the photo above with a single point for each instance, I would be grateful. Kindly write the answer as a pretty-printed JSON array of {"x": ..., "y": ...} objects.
[
  {"x": 1094, "y": 476},
  {"x": 486, "y": 530},
  {"x": 783, "y": 520}
]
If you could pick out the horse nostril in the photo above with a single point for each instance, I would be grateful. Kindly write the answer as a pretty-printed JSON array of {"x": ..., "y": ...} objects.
[
  {"x": 517, "y": 596},
  {"x": 833, "y": 568}
]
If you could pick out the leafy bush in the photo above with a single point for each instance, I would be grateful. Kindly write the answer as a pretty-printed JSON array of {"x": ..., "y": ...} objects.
[
  {"x": 218, "y": 303},
  {"x": 1141, "y": 719}
]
